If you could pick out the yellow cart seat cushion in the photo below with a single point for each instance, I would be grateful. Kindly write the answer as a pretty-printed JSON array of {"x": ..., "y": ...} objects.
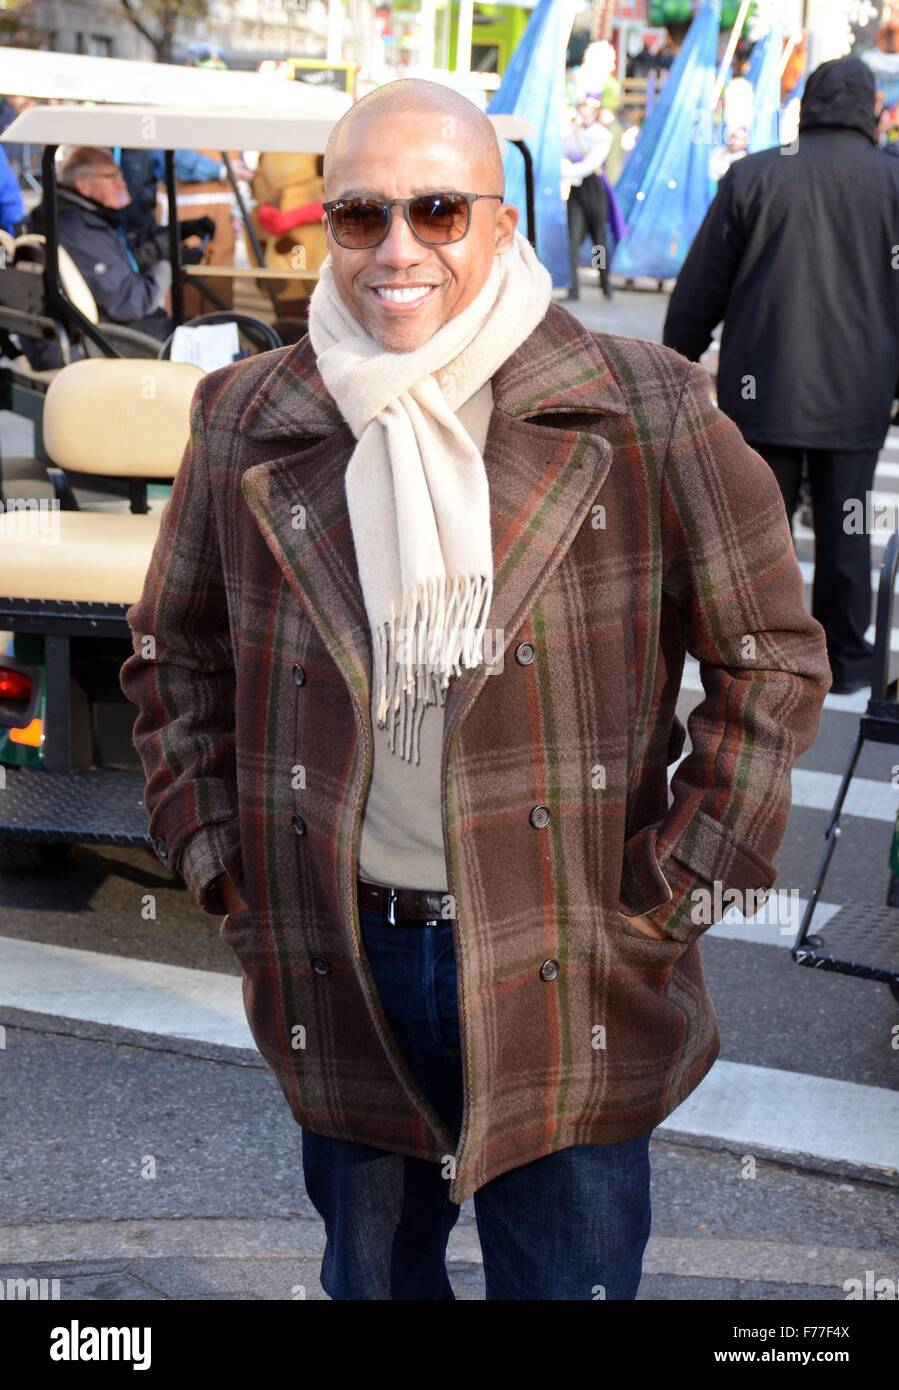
[
  {"x": 97, "y": 557},
  {"x": 73, "y": 282},
  {"x": 125, "y": 417}
]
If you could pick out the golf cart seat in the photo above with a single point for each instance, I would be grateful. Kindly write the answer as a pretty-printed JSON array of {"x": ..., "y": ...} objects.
[
  {"x": 84, "y": 557},
  {"x": 31, "y": 249},
  {"x": 23, "y": 301},
  {"x": 113, "y": 417}
]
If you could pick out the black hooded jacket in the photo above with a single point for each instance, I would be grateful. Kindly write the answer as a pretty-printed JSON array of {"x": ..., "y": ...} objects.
[
  {"x": 116, "y": 270},
  {"x": 799, "y": 255}
]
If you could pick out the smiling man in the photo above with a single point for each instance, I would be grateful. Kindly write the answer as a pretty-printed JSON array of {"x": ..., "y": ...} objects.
[
  {"x": 407, "y": 662},
  {"x": 399, "y": 294}
]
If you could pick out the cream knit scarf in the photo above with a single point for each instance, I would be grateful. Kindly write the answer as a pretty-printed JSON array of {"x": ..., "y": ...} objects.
[{"x": 416, "y": 485}]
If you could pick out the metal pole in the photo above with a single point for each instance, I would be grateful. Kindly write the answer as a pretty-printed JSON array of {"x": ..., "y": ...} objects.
[
  {"x": 528, "y": 192},
  {"x": 57, "y": 753},
  {"x": 242, "y": 208},
  {"x": 788, "y": 51},
  {"x": 730, "y": 51},
  {"x": 426, "y": 33},
  {"x": 174, "y": 241},
  {"x": 463, "y": 35},
  {"x": 59, "y": 305},
  {"x": 249, "y": 229},
  {"x": 602, "y": 21},
  {"x": 335, "y": 31},
  {"x": 55, "y": 301}
]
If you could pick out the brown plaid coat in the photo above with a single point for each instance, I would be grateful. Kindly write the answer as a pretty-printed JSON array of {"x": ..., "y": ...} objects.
[{"x": 631, "y": 524}]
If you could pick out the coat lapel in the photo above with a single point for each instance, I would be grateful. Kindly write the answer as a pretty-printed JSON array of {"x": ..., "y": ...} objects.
[
  {"x": 542, "y": 477},
  {"x": 299, "y": 503}
]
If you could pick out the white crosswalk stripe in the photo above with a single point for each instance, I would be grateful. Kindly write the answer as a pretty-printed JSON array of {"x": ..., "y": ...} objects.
[
  {"x": 793, "y": 1112},
  {"x": 807, "y": 569},
  {"x": 817, "y": 791},
  {"x": 120, "y": 992}
]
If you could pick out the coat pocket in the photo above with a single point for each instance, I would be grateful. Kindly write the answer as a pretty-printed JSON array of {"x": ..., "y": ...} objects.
[
  {"x": 643, "y": 885},
  {"x": 245, "y": 932},
  {"x": 286, "y": 989},
  {"x": 230, "y": 930},
  {"x": 648, "y": 947},
  {"x": 232, "y": 861}
]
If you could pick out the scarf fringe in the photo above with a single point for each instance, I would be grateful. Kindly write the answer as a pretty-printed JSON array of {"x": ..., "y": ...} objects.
[{"x": 438, "y": 632}]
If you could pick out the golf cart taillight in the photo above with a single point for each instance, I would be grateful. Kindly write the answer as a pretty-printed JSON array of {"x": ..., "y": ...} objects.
[{"x": 14, "y": 685}]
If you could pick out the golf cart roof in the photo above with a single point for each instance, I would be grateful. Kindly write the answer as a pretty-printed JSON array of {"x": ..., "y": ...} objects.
[
  {"x": 168, "y": 128},
  {"x": 68, "y": 77}
]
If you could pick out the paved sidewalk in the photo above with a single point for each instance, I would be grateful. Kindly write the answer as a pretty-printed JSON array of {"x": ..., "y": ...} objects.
[{"x": 145, "y": 1167}]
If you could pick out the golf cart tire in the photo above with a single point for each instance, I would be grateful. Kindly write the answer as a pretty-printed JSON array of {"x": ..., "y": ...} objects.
[{"x": 25, "y": 856}]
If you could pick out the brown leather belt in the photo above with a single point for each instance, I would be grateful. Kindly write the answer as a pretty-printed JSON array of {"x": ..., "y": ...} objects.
[{"x": 402, "y": 906}]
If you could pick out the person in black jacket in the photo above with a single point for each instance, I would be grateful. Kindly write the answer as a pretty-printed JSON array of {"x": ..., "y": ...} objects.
[
  {"x": 129, "y": 275},
  {"x": 92, "y": 193},
  {"x": 799, "y": 255}
]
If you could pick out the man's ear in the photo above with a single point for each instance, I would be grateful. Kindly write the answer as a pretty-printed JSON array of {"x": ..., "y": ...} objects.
[{"x": 506, "y": 223}]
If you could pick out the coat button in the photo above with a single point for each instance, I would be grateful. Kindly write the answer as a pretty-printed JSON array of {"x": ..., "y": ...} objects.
[
  {"x": 299, "y": 825},
  {"x": 321, "y": 966},
  {"x": 299, "y": 675},
  {"x": 540, "y": 816},
  {"x": 549, "y": 970},
  {"x": 161, "y": 847},
  {"x": 525, "y": 653}
]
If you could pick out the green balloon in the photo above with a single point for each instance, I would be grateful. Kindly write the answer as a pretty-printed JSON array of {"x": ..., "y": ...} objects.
[
  {"x": 730, "y": 10},
  {"x": 676, "y": 12},
  {"x": 682, "y": 11}
]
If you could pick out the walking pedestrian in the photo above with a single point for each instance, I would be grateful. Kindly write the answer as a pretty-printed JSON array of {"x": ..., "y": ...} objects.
[
  {"x": 798, "y": 256},
  {"x": 589, "y": 142}
]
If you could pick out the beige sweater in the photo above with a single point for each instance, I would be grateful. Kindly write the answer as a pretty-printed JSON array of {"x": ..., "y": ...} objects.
[{"x": 402, "y": 828}]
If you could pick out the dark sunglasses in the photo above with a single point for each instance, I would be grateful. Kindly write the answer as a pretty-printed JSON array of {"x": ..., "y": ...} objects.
[{"x": 436, "y": 219}]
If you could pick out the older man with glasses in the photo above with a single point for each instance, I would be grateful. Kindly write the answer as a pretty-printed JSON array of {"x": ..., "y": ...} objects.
[
  {"x": 406, "y": 665},
  {"x": 92, "y": 192}
]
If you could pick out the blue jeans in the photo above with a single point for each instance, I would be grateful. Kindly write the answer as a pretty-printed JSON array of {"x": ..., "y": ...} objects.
[{"x": 572, "y": 1225}]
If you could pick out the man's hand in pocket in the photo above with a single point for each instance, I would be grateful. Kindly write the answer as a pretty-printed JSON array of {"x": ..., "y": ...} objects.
[
  {"x": 222, "y": 896},
  {"x": 643, "y": 924},
  {"x": 230, "y": 896}
]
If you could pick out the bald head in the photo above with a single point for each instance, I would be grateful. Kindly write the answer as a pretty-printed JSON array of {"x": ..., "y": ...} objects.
[{"x": 410, "y": 103}]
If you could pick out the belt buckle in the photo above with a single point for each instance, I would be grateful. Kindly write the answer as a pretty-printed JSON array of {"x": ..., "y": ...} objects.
[{"x": 390, "y": 913}]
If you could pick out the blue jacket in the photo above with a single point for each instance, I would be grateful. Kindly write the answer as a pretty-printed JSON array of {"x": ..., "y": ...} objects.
[{"x": 12, "y": 209}]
